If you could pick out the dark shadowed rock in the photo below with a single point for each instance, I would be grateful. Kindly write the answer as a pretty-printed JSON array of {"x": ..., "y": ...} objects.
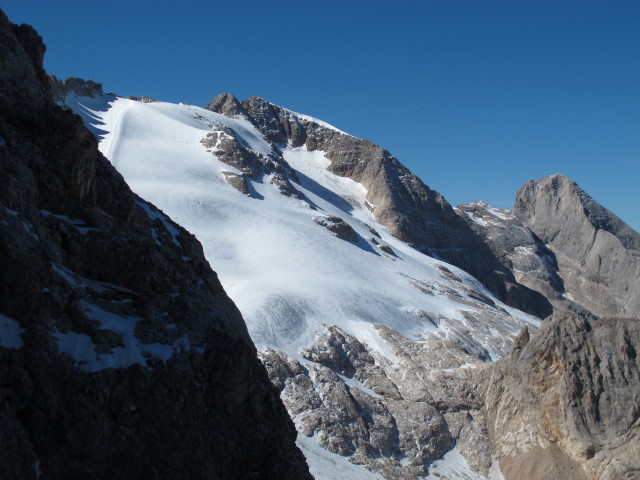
[
  {"x": 84, "y": 88},
  {"x": 121, "y": 356},
  {"x": 338, "y": 227}
]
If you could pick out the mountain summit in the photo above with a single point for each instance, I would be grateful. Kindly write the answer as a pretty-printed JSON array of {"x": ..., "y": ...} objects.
[{"x": 397, "y": 199}]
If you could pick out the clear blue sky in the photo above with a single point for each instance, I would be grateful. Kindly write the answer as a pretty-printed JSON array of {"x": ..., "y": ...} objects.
[{"x": 475, "y": 97}]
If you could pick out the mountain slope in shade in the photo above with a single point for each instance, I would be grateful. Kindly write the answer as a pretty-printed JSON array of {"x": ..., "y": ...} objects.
[
  {"x": 121, "y": 356},
  {"x": 559, "y": 241}
]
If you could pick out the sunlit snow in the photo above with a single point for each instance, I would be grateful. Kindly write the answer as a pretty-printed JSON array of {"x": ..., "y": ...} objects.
[{"x": 287, "y": 274}]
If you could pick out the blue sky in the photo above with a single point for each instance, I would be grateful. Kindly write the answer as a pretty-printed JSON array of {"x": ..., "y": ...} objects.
[{"x": 475, "y": 97}]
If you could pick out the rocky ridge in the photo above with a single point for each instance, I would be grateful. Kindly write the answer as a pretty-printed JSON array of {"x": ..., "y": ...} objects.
[{"x": 113, "y": 328}]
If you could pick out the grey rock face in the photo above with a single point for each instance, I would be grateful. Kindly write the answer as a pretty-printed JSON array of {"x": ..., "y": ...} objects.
[
  {"x": 143, "y": 99},
  {"x": 233, "y": 151},
  {"x": 238, "y": 182},
  {"x": 229, "y": 150},
  {"x": 346, "y": 395},
  {"x": 566, "y": 404},
  {"x": 120, "y": 354},
  {"x": 226, "y": 104},
  {"x": 557, "y": 240},
  {"x": 519, "y": 249},
  {"x": 598, "y": 255},
  {"x": 399, "y": 200}
]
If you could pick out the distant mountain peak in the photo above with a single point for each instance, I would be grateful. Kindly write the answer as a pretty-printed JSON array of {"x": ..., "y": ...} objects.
[
  {"x": 561, "y": 242},
  {"x": 543, "y": 201}
]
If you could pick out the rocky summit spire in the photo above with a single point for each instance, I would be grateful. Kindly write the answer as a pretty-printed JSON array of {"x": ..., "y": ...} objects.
[{"x": 598, "y": 254}]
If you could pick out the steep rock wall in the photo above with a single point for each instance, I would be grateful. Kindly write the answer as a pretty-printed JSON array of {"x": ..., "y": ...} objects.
[{"x": 120, "y": 354}]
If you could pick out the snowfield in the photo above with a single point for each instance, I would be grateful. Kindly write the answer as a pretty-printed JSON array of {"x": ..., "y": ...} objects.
[{"x": 287, "y": 274}]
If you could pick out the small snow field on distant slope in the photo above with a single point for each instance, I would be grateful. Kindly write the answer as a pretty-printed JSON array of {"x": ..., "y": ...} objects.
[{"x": 287, "y": 273}]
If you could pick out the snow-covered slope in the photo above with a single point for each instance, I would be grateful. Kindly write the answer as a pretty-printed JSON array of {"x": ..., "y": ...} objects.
[{"x": 290, "y": 276}]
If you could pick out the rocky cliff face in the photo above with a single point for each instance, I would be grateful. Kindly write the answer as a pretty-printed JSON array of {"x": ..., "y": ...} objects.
[
  {"x": 598, "y": 254},
  {"x": 565, "y": 404},
  {"x": 120, "y": 354},
  {"x": 559, "y": 241},
  {"x": 398, "y": 199}
]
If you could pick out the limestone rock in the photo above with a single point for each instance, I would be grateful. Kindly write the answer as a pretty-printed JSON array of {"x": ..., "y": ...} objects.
[
  {"x": 566, "y": 405},
  {"x": 560, "y": 242},
  {"x": 237, "y": 181},
  {"x": 598, "y": 255},
  {"x": 519, "y": 249},
  {"x": 226, "y": 104},
  {"x": 395, "y": 419},
  {"x": 143, "y": 99}
]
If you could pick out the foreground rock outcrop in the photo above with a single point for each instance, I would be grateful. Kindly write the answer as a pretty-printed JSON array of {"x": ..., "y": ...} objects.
[{"x": 120, "y": 354}]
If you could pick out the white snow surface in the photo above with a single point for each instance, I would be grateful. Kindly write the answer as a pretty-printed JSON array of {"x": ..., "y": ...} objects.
[
  {"x": 454, "y": 466},
  {"x": 287, "y": 274},
  {"x": 325, "y": 465},
  {"x": 316, "y": 121}
]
